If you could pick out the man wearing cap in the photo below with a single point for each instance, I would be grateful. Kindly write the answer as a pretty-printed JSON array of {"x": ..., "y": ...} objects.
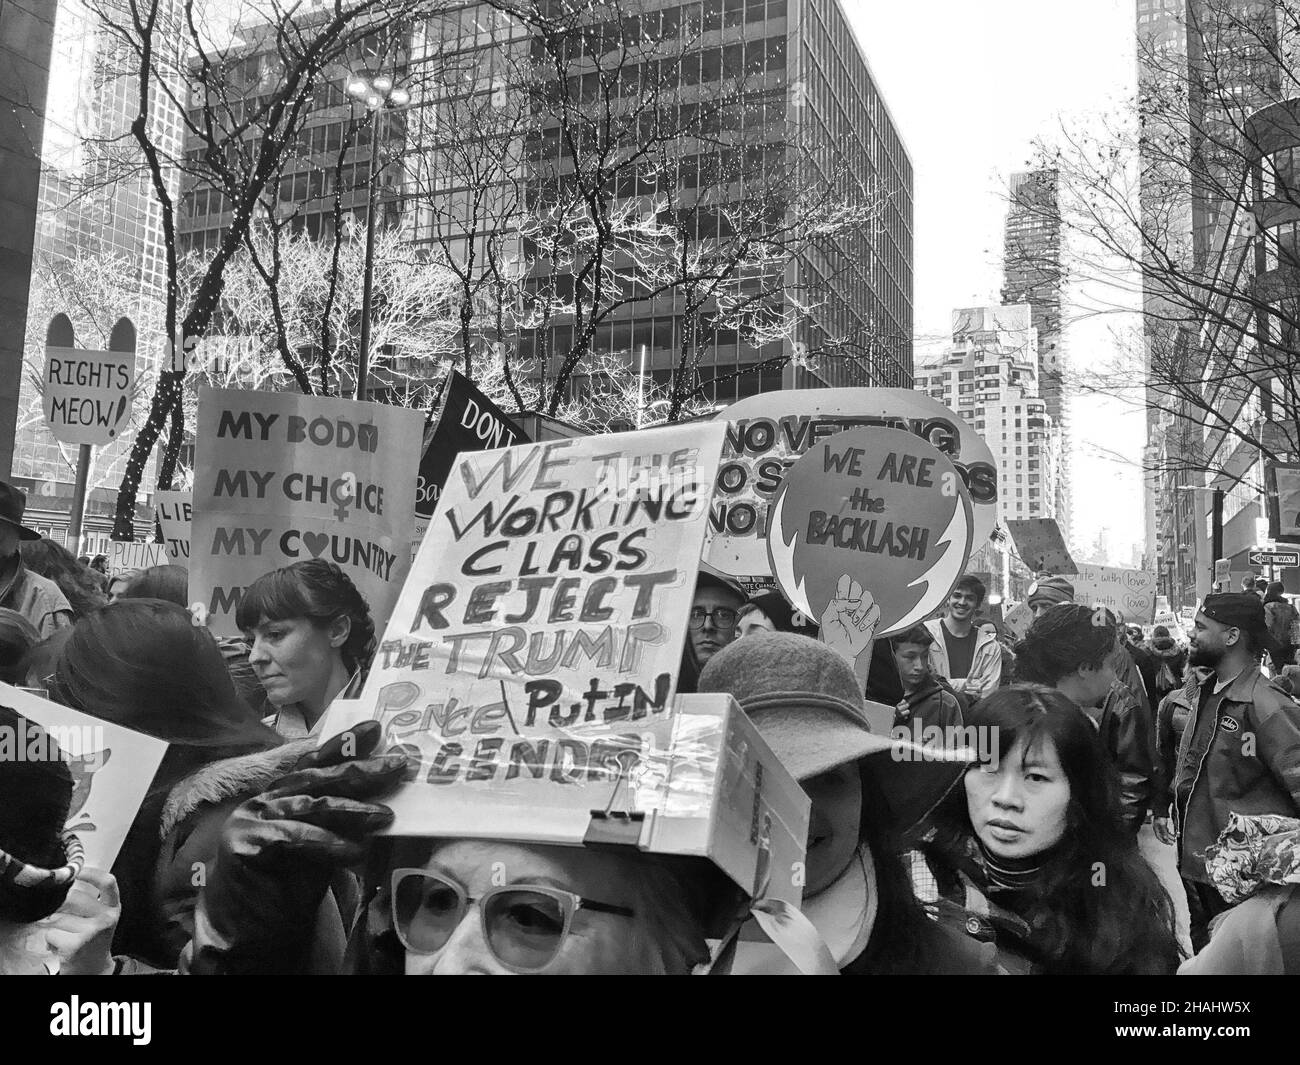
[
  {"x": 1240, "y": 747},
  {"x": 714, "y": 613},
  {"x": 37, "y": 598}
]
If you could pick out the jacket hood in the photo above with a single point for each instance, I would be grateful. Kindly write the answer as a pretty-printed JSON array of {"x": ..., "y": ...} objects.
[{"x": 230, "y": 778}]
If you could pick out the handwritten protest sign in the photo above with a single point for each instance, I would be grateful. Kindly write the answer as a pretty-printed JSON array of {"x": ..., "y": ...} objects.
[
  {"x": 87, "y": 394},
  {"x": 882, "y": 506},
  {"x": 537, "y": 642},
  {"x": 1018, "y": 619},
  {"x": 175, "y": 513},
  {"x": 125, "y": 555},
  {"x": 112, "y": 768},
  {"x": 280, "y": 478},
  {"x": 767, "y": 433},
  {"x": 1130, "y": 591}
]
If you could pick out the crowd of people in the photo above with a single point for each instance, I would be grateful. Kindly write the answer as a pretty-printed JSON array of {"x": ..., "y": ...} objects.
[{"x": 1024, "y": 847}]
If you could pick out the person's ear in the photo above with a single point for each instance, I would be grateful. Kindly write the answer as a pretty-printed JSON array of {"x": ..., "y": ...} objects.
[
  {"x": 339, "y": 630},
  {"x": 1232, "y": 636}
]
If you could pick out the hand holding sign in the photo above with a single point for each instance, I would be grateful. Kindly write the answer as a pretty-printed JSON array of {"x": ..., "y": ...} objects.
[{"x": 850, "y": 620}]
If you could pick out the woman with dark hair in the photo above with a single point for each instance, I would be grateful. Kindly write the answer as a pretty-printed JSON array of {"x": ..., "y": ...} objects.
[
  {"x": 57, "y": 563},
  {"x": 867, "y": 790},
  {"x": 17, "y": 637},
  {"x": 1033, "y": 828},
  {"x": 311, "y": 637},
  {"x": 145, "y": 665},
  {"x": 169, "y": 583},
  {"x": 1070, "y": 648}
]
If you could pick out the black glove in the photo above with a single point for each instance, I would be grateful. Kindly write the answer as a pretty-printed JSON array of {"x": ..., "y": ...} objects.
[{"x": 257, "y": 910}]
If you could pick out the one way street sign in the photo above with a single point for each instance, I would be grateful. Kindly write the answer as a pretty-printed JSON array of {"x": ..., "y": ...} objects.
[{"x": 1274, "y": 558}]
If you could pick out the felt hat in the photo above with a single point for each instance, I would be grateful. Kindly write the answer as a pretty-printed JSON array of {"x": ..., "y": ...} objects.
[
  {"x": 1051, "y": 591},
  {"x": 807, "y": 704},
  {"x": 12, "y": 504}
]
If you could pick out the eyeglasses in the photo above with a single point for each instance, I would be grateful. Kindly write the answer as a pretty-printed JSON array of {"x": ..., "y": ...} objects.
[
  {"x": 523, "y": 927},
  {"x": 723, "y": 617}
]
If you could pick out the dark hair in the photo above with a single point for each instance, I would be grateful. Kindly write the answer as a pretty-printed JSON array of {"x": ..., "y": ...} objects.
[
  {"x": 1159, "y": 630},
  {"x": 56, "y": 562},
  {"x": 313, "y": 589},
  {"x": 144, "y": 664},
  {"x": 1062, "y": 639},
  {"x": 98, "y": 560},
  {"x": 1125, "y": 925},
  {"x": 17, "y": 637},
  {"x": 968, "y": 582},
  {"x": 899, "y": 933},
  {"x": 917, "y": 634},
  {"x": 1274, "y": 593},
  {"x": 170, "y": 583},
  {"x": 35, "y": 801}
]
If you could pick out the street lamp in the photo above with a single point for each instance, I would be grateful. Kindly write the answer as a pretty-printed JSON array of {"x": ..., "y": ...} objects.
[{"x": 378, "y": 94}]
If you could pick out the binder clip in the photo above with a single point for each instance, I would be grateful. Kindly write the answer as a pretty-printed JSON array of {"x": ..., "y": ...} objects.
[{"x": 617, "y": 826}]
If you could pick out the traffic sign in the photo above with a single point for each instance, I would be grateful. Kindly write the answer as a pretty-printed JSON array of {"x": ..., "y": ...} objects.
[{"x": 1274, "y": 558}]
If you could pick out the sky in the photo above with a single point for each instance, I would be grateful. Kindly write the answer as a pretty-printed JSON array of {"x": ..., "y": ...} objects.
[{"x": 972, "y": 84}]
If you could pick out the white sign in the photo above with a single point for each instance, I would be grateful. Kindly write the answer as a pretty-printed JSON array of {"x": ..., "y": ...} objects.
[
  {"x": 87, "y": 394},
  {"x": 124, "y": 555},
  {"x": 1132, "y": 592},
  {"x": 112, "y": 768},
  {"x": 175, "y": 512}
]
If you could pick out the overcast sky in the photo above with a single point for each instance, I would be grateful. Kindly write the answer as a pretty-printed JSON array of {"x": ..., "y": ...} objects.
[{"x": 971, "y": 84}]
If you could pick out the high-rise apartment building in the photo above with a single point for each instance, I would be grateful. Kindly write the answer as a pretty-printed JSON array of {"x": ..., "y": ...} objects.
[
  {"x": 87, "y": 208},
  {"x": 1034, "y": 275},
  {"x": 989, "y": 375}
]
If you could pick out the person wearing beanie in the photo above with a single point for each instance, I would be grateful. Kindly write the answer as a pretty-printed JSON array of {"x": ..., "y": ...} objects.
[
  {"x": 866, "y": 789},
  {"x": 1048, "y": 592},
  {"x": 968, "y": 658},
  {"x": 1240, "y": 748},
  {"x": 772, "y": 612}
]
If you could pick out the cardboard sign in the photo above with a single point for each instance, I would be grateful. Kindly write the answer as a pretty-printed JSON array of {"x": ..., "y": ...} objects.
[
  {"x": 87, "y": 394},
  {"x": 127, "y": 555},
  {"x": 882, "y": 506},
  {"x": 280, "y": 477},
  {"x": 767, "y": 433},
  {"x": 468, "y": 421},
  {"x": 1131, "y": 591},
  {"x": 112, "y": 768},
  {"x": 1282, "y": 482},
  {"x": 1040, "y": 545},
  {"x": 537, "y": 642},
  {"x": 175, "y": 513},
  {"x": 1018, "y": 619},
  {"x": 700, "y": 777}
]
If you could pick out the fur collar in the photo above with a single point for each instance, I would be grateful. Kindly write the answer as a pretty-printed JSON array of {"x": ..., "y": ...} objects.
[{"x": 230, "y": 778}]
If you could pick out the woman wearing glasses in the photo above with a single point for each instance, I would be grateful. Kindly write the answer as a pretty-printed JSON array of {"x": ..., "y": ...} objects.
[{"x": 440, "y": 907}]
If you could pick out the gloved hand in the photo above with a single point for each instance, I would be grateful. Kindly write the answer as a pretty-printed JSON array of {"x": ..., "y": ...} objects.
[{"x": 257, "y": 910}]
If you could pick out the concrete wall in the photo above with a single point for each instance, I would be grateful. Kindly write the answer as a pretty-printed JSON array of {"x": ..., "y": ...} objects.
[{"x": 26, "y": 35}]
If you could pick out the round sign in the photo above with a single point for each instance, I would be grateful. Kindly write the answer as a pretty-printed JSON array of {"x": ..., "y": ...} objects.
[
  {"x": 881, "y": 506},
  {"x": 767, "y": 433}
]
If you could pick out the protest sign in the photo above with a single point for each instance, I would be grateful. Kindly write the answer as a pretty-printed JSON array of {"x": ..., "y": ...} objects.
[
  {"x": 86, "y": 393},
  {"x": 767, "y": 433},
  {"x": 538, "y": 639},
  {"x": 175, "y": 513},
  {"x": 280, "y": 478},
  {"x": 882, "y": 506},
  {"x": 126, "y": 555},
  {"x": 699, "y": 778},
  {"x": 1130, "y": 591},
  {"x": 1282, "y": 483},
  {"x": 1018, "y": 619},
  {"x": 1040, "y": 545},
  {"x": 468, "y": 421},
  {"x": 112, "y": 768}
]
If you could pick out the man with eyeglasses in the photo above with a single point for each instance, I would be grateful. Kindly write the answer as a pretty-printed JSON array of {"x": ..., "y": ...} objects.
[{"x": 713, "y": 614}]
